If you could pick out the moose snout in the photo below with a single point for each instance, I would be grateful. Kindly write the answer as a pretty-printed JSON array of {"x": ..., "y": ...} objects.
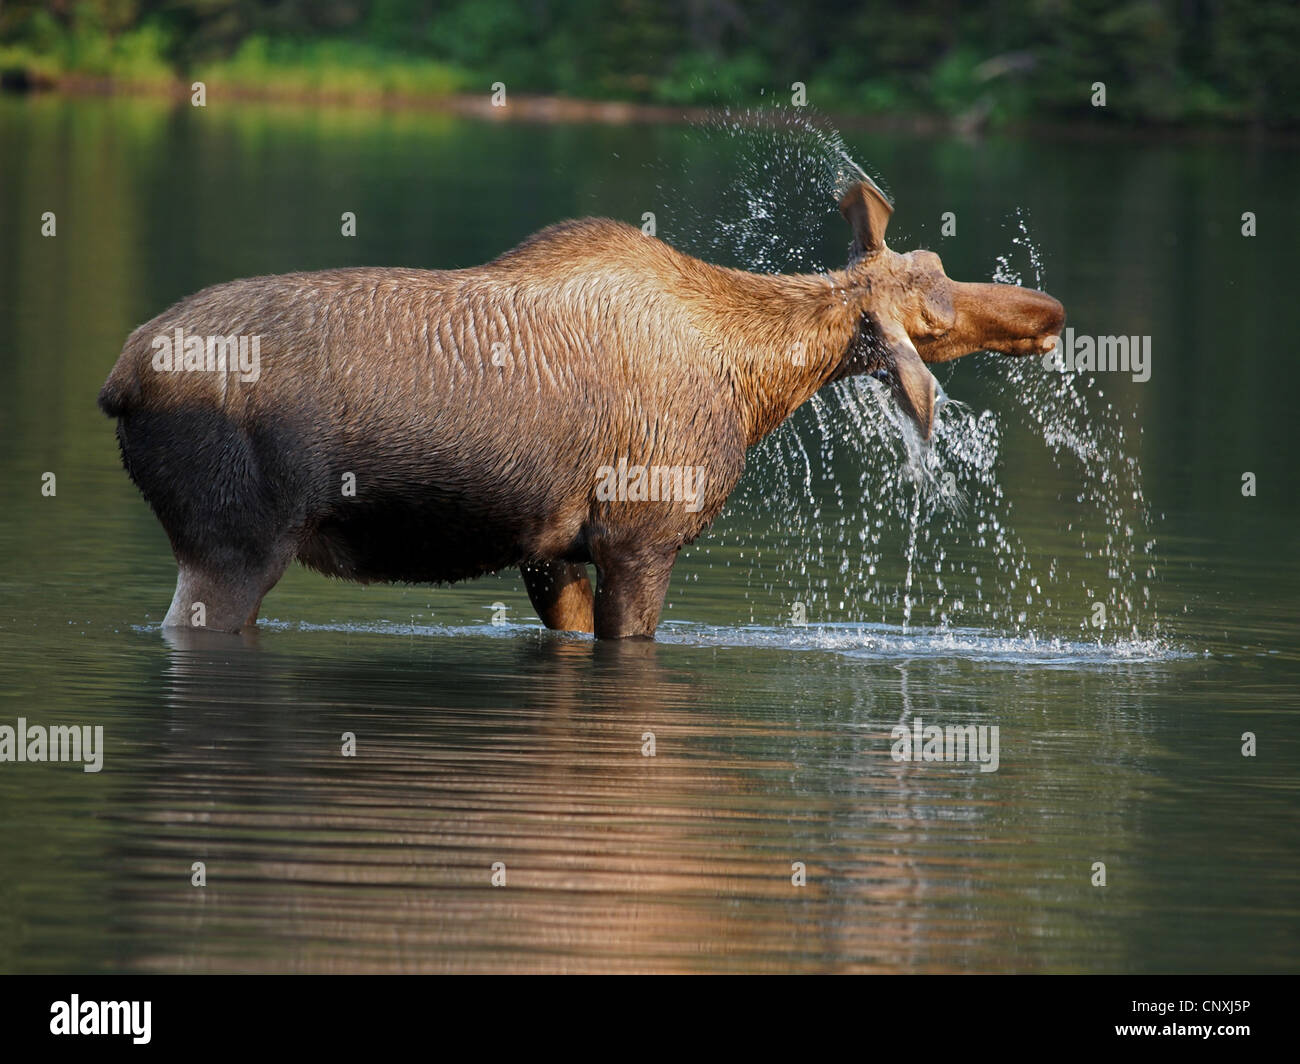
[
  {"x": 1050, "y": 316},
  {"x": 1007, "y": 318}
]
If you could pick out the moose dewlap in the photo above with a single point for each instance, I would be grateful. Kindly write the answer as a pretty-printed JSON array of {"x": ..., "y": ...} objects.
[{"x": 586, "y": 398}]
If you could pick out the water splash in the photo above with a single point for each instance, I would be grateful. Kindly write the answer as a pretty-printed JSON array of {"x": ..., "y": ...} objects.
[
  {"x": 861, "y": 641},
  {"x": 770, "y": 213},
  {"x": 879, "y": 642},
  {"x": 929, "y": 535},
  {"x": 1088, "y": 436}
]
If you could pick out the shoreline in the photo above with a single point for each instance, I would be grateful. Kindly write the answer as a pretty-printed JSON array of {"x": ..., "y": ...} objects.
[{"x": 530, "y": 108}]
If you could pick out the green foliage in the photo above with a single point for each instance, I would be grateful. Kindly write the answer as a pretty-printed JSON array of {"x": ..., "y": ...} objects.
[
  {"x": 100, "y": 41},
  {"x": 1163, "y": 61},
  {"x": 700, "y": 78},
  {"x": 331, "y": 68}
]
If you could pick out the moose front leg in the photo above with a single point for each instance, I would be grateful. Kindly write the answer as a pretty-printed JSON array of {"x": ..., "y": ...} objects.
[
  {"x": 630, "y": 589},
  {"x": 561, "y": 594}
]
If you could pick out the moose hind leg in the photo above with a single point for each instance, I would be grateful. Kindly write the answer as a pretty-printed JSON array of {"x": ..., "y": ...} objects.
[
  {"x": 223, "y": 600},
  {"x": 630, "y": 590},
  {"x": 231, "y": 500},
  {"x": 561, "y": 594}
]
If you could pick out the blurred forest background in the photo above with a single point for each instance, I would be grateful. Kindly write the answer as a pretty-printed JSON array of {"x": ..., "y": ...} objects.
[{"x": 1226, "y": 62}]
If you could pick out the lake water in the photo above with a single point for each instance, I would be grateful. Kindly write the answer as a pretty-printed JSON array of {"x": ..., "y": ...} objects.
[{"x": 482, "y": 738}]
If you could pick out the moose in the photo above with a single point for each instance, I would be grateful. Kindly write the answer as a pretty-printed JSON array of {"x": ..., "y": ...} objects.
[{"x": 585, "y": 399}]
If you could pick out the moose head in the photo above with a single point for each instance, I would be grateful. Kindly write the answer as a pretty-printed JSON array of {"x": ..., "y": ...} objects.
[{"x": 917, "y": 314}]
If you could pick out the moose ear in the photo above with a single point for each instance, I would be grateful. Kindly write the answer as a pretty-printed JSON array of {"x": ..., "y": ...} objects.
[
  {"x": 867, "y": 211},
  {"x": 913, "y": 385}
]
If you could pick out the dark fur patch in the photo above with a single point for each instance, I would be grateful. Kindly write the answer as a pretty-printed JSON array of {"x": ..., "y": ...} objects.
[
  {"x": 226, "y": 497},
  {"x": 420, "y": 537}
]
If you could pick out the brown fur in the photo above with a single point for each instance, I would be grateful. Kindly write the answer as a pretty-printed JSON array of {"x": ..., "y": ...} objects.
[{"x": 475, "y": 407}]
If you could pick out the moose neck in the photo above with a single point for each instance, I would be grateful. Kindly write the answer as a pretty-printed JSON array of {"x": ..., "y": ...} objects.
[{"x": 782, "y": 337}]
